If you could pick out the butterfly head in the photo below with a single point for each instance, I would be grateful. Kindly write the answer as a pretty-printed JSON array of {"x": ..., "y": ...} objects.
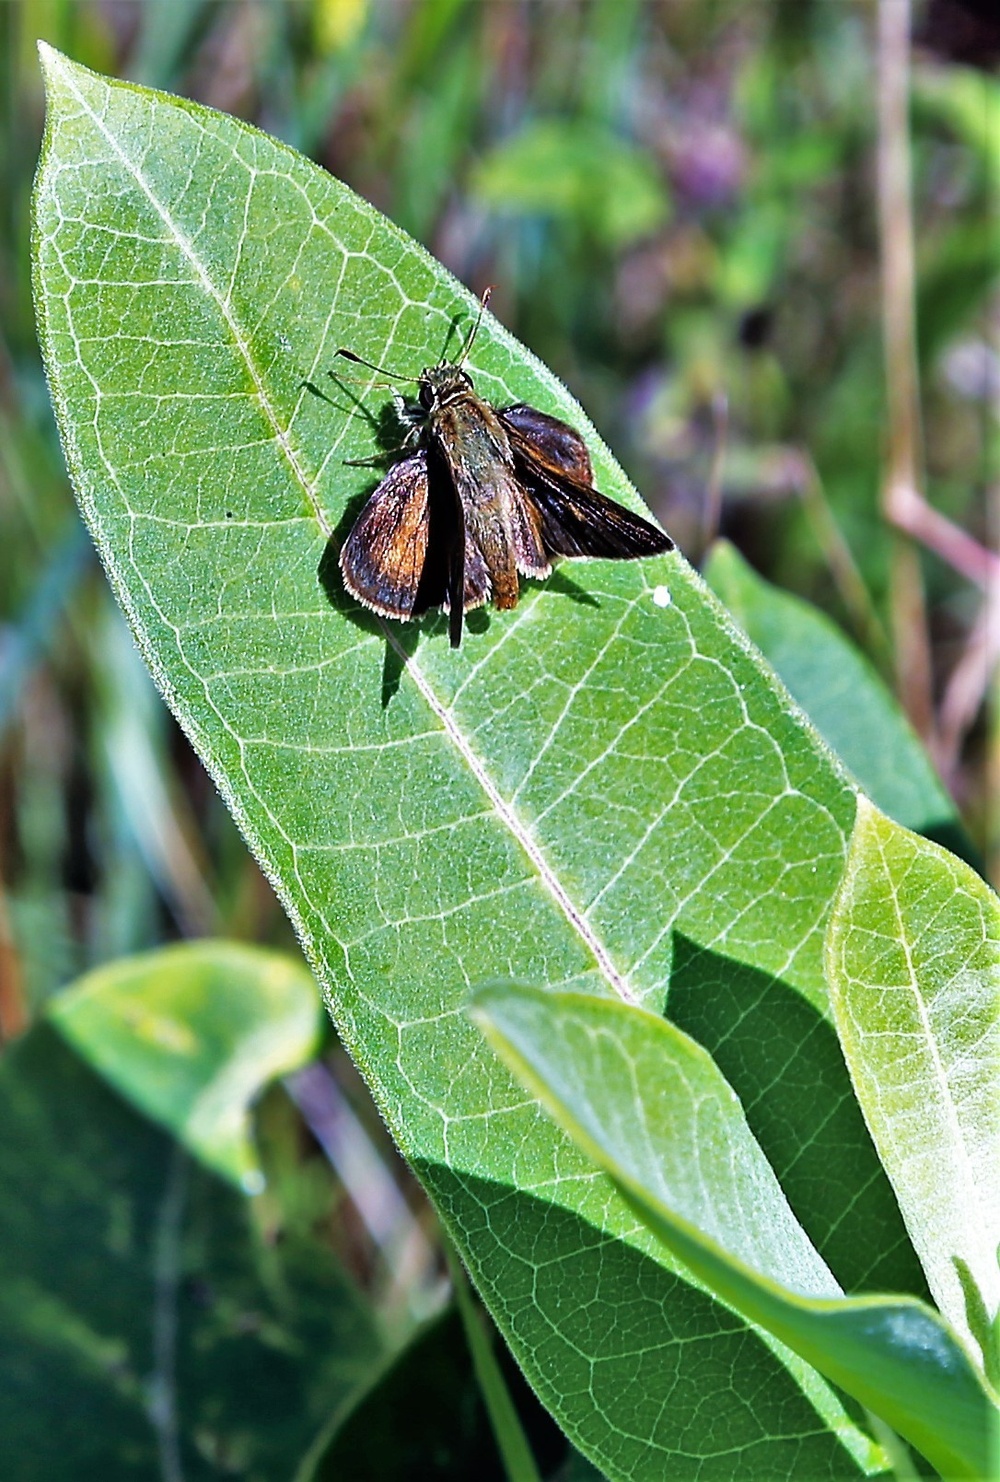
[{"x": 440, "y": 384}]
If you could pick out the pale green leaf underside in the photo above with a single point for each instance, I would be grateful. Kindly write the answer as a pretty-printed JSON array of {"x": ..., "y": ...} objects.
[
  {"x": 586, "y": 777},
  {"x": 649, "y": 1107},
  {"x": 914, "y": 962},
  {"x": 192, "y": 1035}
]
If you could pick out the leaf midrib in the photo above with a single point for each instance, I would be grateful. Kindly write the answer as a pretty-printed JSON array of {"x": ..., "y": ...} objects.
[
  {"x": 946, "y": 1101},
  {"x": 186, "y": 247},
  {"x": 509, "y": 817}
]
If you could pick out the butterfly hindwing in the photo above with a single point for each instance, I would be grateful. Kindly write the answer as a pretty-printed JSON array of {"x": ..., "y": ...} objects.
[
  {"x": 575, "y": 519},
  {"x": 553, "y": 443}
]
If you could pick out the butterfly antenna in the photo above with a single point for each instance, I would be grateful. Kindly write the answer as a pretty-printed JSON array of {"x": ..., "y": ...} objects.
[
  {"x": 359, "y": 360},
  {"x": 340, "y": 376},
  {"x": 487, "y": 291}
]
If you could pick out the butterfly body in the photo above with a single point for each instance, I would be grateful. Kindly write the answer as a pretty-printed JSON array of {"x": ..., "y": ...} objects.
[{"x": 486, "y": 496}]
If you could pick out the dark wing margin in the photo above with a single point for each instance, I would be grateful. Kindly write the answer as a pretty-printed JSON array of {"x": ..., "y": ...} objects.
[
  {"x": 382, "y": 560},
  {"x": 576, "y": 520},
  {"x": 456, "y": 580},
  {"x": 449, "y": 571}
]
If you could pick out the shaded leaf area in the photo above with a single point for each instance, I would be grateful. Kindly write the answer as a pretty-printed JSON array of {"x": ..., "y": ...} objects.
[
  {"x": 586, "y": 776},
  {"x": 914, "y": 959},
  {"x": 191, "y": 1034},
  {"x": 843, "y": 696},
  {"x": 424, "y": 1417},
  {"x": 786, "y": 1065},
  {"x": 651, "y": 1109},
  {"x": 657, "y": 1324},
  {"x": 147, "y": 1327}
]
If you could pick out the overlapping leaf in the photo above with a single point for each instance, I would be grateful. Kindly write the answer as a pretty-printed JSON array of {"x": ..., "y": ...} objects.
[
  {"x": 191, "y": 1035},
  {"x": 914, "y": 963},
  {"x": 651, "y": 1109}
]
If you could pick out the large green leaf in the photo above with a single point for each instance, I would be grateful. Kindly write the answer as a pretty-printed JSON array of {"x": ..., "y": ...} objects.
[
  {"x": 148, "y": 1328},
  {"x": 192, "y": 1034},
  {"x": 914, "y": 961},
  {"x": 651, "y": 1109},
  {"x": 602, "y": 776}
]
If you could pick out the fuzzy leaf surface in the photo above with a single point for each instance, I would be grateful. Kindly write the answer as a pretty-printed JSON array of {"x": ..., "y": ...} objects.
[{"x": 914, "y": 963}]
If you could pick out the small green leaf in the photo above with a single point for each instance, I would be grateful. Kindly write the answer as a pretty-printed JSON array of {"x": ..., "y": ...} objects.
[
  {"x": 578, "y": 172},
  {"x": 840, "y": 692},
  {"x": 191, "y": 1035},
  {"x": 649, "y": 1107},
  {"x": 913, "y": 957}
]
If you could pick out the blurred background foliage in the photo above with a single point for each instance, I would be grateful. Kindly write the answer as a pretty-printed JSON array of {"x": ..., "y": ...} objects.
[{"x": 677, "y": 203}]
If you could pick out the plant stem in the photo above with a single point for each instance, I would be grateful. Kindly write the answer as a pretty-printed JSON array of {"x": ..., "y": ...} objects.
[
  {"x": 900, "y": 486},
  {"x": 844, "y": 570},
  {"x": 512, "y": 1443},
  {"x": 13, "y": 1009},
  {"x": 969, "y": 682}
]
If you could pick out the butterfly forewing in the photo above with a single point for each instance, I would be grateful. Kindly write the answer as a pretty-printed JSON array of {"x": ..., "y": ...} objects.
[
  {"x": 384, "y": 557},
  {"x": 501, "y": 531},
  {"x": 526, "y": 536}
]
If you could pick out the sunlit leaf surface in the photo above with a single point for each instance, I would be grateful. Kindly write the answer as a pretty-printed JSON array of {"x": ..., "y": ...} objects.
[
  {"x": 191, "y": 1035},
  {"x": 914, "y": 956}
]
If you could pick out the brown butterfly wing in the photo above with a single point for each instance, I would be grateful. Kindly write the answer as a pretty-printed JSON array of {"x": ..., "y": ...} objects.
[
  {"x": 383, "y": 560},
  {"x": 502, "y": 537},
  {"x": 552, "y": 462},
  {"x": 530, "y": 555},
  {"x": 556, "y": 443}
]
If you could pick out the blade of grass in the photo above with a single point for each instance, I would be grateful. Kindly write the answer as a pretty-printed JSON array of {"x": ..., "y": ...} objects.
[{"x": 511, "y": 1440}]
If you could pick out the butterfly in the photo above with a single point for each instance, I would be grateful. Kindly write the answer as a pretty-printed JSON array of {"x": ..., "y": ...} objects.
[{"x": 487, "y": 495}]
